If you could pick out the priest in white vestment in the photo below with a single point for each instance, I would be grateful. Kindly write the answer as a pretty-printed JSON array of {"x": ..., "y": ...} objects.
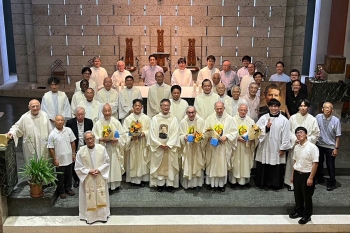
[
  {"x": 164, "y": 143},
  {"x": 182, "y": 76},
  {"x": 303, "y": 119},
  {"x": 243, "y": 157},
  {"x": 86, "y": 72},
  {"x": 98, "y": 73},
  {"x": 119, "y": 76},
  {"x": 227, "y": 100},
  {"x": 107, "y": 95},
  {"x": 34, "y": 126},
  {"x": 205, "y": 101},
  {"x": 137, "y": 151},
  {"x": 126, "y": 97},
  {"x": 247, "y": 79},
  {"x": 236, "y": 100},
  {"x": 178, "y": 106},
  {"x": 113, "y": 143},
  {"x": 191, "y": 152},
  {"x": 208, "y": 71},
  {"x": 218, "y": 158},
  {"x": 55, "y": 102},
  {"x": 253, "y": 101},
  {"x": 274, "y": 141},
  {"x": 92, "y": 168},
  {"x": 92, "y": 107},
  {"x": 79, "y": 95},
  {"x": 156, "y": 93}
]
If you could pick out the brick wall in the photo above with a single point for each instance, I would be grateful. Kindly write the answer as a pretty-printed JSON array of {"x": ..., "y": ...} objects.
[{"x": 76, "y": 30}]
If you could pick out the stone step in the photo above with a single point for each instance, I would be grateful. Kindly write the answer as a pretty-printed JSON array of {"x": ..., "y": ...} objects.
[{"x": 179, "y": 223}]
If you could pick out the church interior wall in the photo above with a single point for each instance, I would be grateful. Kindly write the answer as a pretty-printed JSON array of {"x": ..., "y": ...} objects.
[{"x": 75, "y": 31}]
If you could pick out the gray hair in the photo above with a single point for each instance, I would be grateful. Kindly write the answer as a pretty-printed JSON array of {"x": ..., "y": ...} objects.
[
  {"x": 235, "y": 86},
  {"x": 77, "y": 109},
  {"x": 253, "y": 83},
  {"x": 242, "y": 104},
  {"x": 223, "y": 104},
  {"x": 87, "y": 132},
  {"x": 188, "y": 107}
]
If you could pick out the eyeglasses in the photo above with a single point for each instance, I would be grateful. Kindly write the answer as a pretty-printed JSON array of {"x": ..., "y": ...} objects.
[
  {"x": 87, "y": 73},
  {"x": 191, "y": 112},
  {"x": 300, "y": 133}
]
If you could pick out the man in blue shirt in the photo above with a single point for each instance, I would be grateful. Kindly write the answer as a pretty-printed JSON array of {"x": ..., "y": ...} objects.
[{"x": 280, "y": 76}]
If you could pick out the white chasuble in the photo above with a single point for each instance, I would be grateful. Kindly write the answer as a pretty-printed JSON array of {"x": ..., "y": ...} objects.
[
  {"x": 56, "y": 103},
  {"x": 93, "y": 190},
  {"x": 243, "y": 157},
  {"x": 164, "y": 166},
  {"x": 155, "y": 94},
  {"x": 92, "y": 109},
  {"x": 137, "y": 151},
  {"x": 204, "y": 104},
  {"x": 115, "y": 151},
  {"x": 35, "y": 131},
  {"x": 178, "y": 108},
  {"x": 218, "y": 159},
  {"x": 109, "y": 97},
  {"x": 192, "y": 153},
  {"x": 126, "y": 96}
]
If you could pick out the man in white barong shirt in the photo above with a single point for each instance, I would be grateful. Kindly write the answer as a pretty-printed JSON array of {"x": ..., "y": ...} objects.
[
  {"x": 34, "y": 126},
  {"x": 107, "y": 95},
  {"x": 243, "y": 157},
  {"x": 300, "y": 119},
  {"x": 98, "y": 73},
  {"x": 182, "y": 76},
  {"x": 247, "y": 79},
  {"x": 218, "y": 158},
  {"x": 79, "y": 95},
  {"x": 55, "y": 102},
  {"x": 156, "y": 93},
  {"x": 205, "y": 101},
  {"x": 86, "y": 72},
  {"x": 193, "y": 163},
  {"x": 164, "y": 142},
  {"x": 253, "y": 101},
  {"x": 126, "y": 97},
  {"x": 178, "y": 106},
  {"x": 137, "y": 151},
  {"x": 92, "y": 168},
  {"x": 92, "y": 107},
  {"x": 120, "y": 75},
  {"x": 208, "y": 71},
  {"x": 274, "y": 141},
  {"x": 221, "y": 90},
  {"x": 236, "y": 100},
  {"x": 114, "y": 145}
]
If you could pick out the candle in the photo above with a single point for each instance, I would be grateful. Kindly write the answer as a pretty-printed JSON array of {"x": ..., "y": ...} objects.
[
  {"x": 122, "y": 84},
  {"x": 199, "y": 89},
  {"x": 194, "y": 88}
]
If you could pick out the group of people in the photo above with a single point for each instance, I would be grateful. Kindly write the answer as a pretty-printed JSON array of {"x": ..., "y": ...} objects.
[{"x": 107, "y": 134}]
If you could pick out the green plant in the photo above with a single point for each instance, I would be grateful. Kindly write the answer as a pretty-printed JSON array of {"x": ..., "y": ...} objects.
[{"x": 39, "y": 170}]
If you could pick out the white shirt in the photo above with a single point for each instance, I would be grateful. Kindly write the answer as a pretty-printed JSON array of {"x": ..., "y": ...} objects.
[
  {"x": 181, "y": 77},
  {"x": 206, "y": 73},
  {"x": 305, "y": 155},
  {"x": 61, "y": 142},
  {"x": 98, "y": 75},
  {"x": 119, "y": 77}
]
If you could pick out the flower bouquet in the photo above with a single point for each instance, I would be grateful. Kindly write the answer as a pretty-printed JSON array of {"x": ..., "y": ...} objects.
[
  {"x": 190, "y": 134},
  {"x": 198, "y": 137},
  {"x": 107, "y": 132},
  {"x": 254, "y": 132},
  {"x": 135, "y": 129},
  {"x": 243, "y": 132},
  {"x": 218, "y": 129}
]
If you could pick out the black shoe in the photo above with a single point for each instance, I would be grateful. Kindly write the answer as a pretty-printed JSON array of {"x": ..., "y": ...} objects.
[
  {"x": 221, "y": 189},
  {"x": 330, "y": 188},
  {"x": 304, "y": 220},
  {"x": 233, "y": 186},
  {"x": 76, "y": 184},
  {"x": 142, "y": 184},
  {"x": 209, "y": 187},
  {"x": 295, "y": 215},
  {"x": 247, "y": 185},
  {"x": 198, "y": 188},
  {"x": 170, "y": 189},
  {"x": 160, "y": 189}
]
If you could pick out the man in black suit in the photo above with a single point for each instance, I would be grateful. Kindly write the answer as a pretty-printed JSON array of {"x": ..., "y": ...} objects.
[
  {"x": 295, "y": 75},
  {"x": 79, "y": 125}
]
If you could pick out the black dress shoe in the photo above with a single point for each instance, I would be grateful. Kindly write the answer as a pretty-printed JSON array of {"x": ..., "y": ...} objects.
[
  {"x": 295, "y": 215},
  {"x": 160, "y": 189},
  {"x": 221, "y": 189},
  {"x": 142, "y": 184},
  {"x": 198, "y": 188},
  {"x": 304, "y": 220},
  {"x": 330, "y": 188},
  {"x": 209, "y": 187},
  {"x": 170, "y": 189},
  {"x": 233, "y": 186},
  {"x": 76, "y": 184}
]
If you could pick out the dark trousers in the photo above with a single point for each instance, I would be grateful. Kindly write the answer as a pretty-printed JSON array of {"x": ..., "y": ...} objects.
[
  {"x": 64, "y": 182},
  {"x": 75, "y": 176},
  {"x": 269, "y": 175},
  {"x": 330, "y": 162},
  {"x": 303, "y": 194}
]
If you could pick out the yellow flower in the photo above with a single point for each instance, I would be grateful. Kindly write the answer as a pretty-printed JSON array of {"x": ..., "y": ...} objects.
[
  {"x": 242, "y": 129},
  {"x": 191, "y": 130}
]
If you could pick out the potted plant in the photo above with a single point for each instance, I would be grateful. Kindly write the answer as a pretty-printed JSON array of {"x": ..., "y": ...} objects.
[{"x": 38, "y": 171}]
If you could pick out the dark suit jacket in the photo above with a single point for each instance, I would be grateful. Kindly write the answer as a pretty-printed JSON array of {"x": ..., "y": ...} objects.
[{"x": 72, "y": 123}]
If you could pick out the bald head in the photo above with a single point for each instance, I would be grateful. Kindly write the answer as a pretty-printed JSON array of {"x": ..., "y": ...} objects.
[
  {"x": 221, "y": 89},
  {"x": 120, "y": 66},
  {"x": 216, "y": 79},
  {"x": 34, "y": 107},
  {"x": 107, "y": 83}
]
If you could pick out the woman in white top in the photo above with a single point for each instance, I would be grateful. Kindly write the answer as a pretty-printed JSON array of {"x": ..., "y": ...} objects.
[{"x": 182, "y": 76}]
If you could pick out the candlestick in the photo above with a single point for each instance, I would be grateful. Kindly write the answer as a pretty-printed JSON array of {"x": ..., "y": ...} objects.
[
  {"x": 199, "y": 89},
  {"x": 122, "y": 85},
  {"x": 194, "y": 88}
]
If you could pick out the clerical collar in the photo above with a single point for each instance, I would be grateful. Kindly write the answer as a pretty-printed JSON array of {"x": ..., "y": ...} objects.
[
  {"x": 160, "y": 85},
  {"x": 274, "y": 115}
]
